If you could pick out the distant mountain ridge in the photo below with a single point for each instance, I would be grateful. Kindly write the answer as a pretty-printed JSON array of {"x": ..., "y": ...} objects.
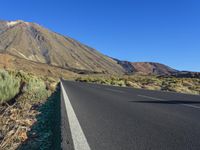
[
  {"x": 33, "y": 42},
  {"x": 146, "y": 68}
]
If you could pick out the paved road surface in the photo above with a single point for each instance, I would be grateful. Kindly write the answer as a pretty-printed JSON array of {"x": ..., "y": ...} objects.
[{"x": 115, "y": 118}]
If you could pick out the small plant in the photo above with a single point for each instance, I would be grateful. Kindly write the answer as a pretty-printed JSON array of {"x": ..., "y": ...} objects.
[{"x": 9, "y": 86}]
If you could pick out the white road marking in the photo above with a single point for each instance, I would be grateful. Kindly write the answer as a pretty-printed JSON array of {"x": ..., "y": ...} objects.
[
  {"x": 113, "y": 90},
  {"x": 79, "y": 139},
  {"x": 154, "y": 98}
]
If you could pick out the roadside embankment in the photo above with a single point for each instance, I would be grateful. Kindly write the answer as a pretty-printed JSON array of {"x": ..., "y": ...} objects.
[{"x": 26, "y": 110}]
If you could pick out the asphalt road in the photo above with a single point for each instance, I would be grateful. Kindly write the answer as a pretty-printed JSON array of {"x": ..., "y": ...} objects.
[{"x": 116, "y": 118}]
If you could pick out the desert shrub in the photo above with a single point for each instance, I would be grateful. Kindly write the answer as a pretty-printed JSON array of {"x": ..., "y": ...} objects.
[
  {"x": 121, "y": 83},
  {"x": 25, "y": 77},
  {"x": 132, "y": 84},
  {"x": 9, "y": 86},
  {"x": 36, "y": 88}
]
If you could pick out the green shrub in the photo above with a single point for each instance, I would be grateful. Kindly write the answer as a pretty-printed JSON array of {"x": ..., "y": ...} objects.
[
  {"x": 36, "y": 88},
  {"x": 9, "y": 86}
]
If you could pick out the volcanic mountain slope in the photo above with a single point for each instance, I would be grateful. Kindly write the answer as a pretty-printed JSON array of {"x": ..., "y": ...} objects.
[
  {"x": 152, "y": 68},
  {"x": 146, "y": 68},
  {"x": 32, "y": 42}
]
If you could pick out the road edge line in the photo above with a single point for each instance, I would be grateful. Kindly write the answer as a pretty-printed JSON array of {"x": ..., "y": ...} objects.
[{"x": 78, "y": 137}]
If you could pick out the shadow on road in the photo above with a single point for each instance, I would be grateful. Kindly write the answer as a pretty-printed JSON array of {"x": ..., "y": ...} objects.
[{"x": 168, "y": 102}]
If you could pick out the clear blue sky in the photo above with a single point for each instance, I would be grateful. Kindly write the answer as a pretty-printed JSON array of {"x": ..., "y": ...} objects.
[{"x": 165, "y": 31}]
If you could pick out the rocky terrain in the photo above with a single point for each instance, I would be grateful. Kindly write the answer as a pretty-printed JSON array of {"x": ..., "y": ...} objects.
[{"x": 146, "y": 68}]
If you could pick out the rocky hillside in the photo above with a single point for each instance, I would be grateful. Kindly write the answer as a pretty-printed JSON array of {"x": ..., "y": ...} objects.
[
  {"x": 152, "y": 68},
  {"x": 33, "y": 42},
  {"x": 146, "y": 68}
]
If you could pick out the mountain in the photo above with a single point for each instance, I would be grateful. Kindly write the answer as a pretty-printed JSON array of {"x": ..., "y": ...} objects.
[
  {"x": 35, "y": 43},
  {"x": 186, "y": 74},
  {"x": 146, "y": 68}
]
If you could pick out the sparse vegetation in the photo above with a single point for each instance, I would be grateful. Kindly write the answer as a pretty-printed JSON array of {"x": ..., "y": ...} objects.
[
  {"x": 29, "y": 116},
  {"x": 17, "y": 117},
  {"x": 181, "y": 85}
]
